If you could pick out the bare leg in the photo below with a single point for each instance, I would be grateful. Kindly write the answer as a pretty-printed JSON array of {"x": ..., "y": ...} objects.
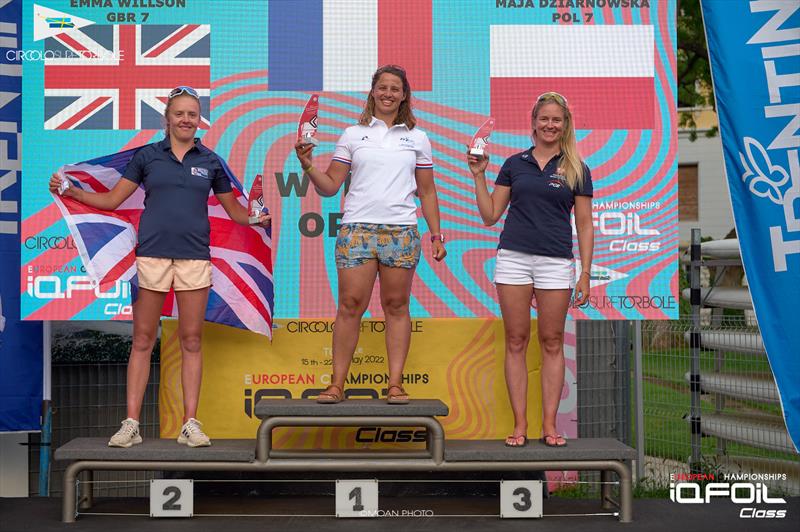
[
  {"x": 146, "y": 317},
  {"x": 395, "y": 294},
  {"x": 552, "y": 308},
  {"x": 515, "y": 305},
  {"x": 355, "y": 289},
  {"x": 191, "y": 313}
]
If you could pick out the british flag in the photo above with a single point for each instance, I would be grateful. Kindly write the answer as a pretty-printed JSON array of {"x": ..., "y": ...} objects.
[
  {"x": 242, "y": 294},
  {"x": 118, "y": 77}
]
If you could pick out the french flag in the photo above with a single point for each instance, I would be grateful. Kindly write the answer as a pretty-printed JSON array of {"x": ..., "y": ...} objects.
[
  {"x": 336, "y": 45},
  {"x": 604, "y": 71}
]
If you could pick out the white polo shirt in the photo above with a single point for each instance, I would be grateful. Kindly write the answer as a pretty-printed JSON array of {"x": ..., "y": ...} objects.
[{"x": 383, "y": 161}]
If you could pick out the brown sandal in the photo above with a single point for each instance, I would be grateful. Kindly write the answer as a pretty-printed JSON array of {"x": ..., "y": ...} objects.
[
  {"x": 399, "y": 397},
  {"x": 330, "y": 397}
]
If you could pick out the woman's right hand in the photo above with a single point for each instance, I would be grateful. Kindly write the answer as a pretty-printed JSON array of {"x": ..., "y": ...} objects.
[
  {"x": 477, "y": 165},
  {"x": 304, "y": 153},
  {"x": 55, "y": 183}
]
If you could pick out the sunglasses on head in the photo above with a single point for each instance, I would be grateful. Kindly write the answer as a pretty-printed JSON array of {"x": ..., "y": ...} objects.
[
  {"x": 552, "y": 96},
  {"x": 183, "y": 89}
]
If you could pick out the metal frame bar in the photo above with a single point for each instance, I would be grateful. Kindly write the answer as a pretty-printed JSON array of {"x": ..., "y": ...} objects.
[{"x": 69, "y": 513}]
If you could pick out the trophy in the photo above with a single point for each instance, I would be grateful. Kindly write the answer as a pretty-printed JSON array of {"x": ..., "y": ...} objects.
[
  {"x": 481, "y": 138},
  {"x": 64, "y": 185},
  {"x": 307, "y": 128},
  {"x": 255, "y": 201}
]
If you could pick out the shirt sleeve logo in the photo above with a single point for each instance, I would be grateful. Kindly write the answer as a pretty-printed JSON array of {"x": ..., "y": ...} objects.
[{"x": 201, "y": 172}]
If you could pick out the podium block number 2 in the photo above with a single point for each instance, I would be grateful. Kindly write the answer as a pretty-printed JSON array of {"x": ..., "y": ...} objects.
[
  {"x": 520, "y": 499},
  {"x": 171, "y": 498},
  {"x": 356, "y": 498}
]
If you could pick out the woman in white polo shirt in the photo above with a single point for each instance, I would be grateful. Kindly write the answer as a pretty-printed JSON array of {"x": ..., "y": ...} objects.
[
  {"x": 389, "y": 160},
  {"x": 534, "y": 258}
]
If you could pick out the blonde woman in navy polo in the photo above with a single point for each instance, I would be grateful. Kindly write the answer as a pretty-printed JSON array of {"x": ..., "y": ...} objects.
[
  {"x": 177, "y": 174},
  {"x": 542, "y": 185},
  {"x": 389, "y": 160}
]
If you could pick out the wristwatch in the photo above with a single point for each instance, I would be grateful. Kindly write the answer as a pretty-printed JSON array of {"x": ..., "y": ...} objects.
[{"x": 439, "y": 237}]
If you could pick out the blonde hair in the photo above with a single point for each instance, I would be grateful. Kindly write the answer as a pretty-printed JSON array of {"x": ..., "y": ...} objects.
[
  {"x": 404, "y": 115},
  {"x": 570, "y": 161}
]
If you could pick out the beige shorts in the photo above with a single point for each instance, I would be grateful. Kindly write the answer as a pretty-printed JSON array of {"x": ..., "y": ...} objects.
[{"x": 161, "y": 274}]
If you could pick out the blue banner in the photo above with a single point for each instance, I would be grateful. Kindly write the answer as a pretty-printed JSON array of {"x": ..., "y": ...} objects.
[
  {"x": 754, "y": 48},
  {"x": 20, "y": 342}
]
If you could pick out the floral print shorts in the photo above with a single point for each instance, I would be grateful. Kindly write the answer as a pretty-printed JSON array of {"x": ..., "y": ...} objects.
[{"x": 396, "y": 246}]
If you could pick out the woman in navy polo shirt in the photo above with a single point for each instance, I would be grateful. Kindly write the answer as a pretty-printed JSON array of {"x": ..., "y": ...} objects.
[
  {"x": 534, "y": 257},
  {"x": 177, "y": 174},
  {"x": 389, "y": 160}
]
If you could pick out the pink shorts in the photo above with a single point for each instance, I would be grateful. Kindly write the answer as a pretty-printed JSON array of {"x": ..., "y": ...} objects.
[{"x": 159, "y": 274}]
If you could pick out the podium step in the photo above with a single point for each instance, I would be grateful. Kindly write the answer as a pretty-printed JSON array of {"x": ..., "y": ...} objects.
[
  {"x": 153, "y": 450},
  {"x": 496, "y": 451},
  {"x": 266, "y": 408}
]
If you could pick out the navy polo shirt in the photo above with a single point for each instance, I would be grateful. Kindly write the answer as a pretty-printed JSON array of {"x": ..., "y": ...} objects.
[
  {"x": 538, "y": 220},
  {"x": 175, "y": 223}
]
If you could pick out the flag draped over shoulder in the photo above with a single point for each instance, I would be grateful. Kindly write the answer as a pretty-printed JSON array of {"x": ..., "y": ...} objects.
[{"x": 242, "y": 294}]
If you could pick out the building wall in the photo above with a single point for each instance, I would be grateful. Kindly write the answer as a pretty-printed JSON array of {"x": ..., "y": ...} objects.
[{"x": 715, "y": 216}]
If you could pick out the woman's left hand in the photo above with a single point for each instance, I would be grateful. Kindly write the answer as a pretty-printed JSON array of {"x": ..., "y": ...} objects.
[
  {"x": 264, "y": 220},
  {"x": 439, "y": 252},
  {"x": 582, "y": 289}
]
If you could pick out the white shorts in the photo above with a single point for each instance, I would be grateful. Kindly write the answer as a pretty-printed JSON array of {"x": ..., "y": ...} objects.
[{"x": 515, "y": 267}]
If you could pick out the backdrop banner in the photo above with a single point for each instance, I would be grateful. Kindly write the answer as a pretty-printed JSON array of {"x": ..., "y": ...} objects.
[
  {"x": 459, "y": 361},
  {"x": 97, "y": 78}
]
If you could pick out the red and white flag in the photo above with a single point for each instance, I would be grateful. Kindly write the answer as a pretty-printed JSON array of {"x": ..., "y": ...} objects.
[{"x": 604, "y": 71}]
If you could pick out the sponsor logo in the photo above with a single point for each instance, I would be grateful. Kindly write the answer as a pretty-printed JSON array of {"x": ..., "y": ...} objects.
[
  {"x": 49, "y": 242},
  {"x": 384, "y": 435},
  {"x": 198, "y": 171},
  {"x": 53, "y": 287},
  {"x": 324, "y": 326},
  {"x": 627, "y": 226},
  {"x": 738, "y": 492},
  {"x": 632, "y": 302}
]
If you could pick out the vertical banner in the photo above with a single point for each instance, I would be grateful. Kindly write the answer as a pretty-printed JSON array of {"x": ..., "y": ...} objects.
[
  {"x": 754, "y": 49},
  {"x": 20, "y": 343}
]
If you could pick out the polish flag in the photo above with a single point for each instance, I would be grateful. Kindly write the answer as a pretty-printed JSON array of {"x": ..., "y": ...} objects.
[
  {"x": 336, "y": 45},
  {"x": 605, "y": 72}
]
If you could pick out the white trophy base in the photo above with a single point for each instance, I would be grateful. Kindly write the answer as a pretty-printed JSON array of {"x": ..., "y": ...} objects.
[
  {"x": 477, "y": 152},
  {"x": 253, "y": 220},
  {"x": 310, "y": 140}
]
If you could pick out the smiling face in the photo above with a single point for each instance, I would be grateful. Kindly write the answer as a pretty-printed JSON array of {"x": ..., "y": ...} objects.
[
  {"x": 388, "y": 94},
  {"x": 183, "y": 117},
  {"x": 549, "y": 123}
]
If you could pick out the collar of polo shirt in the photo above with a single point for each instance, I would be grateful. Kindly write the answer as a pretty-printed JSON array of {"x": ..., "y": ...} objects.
[{"x": 374, "y": 120}]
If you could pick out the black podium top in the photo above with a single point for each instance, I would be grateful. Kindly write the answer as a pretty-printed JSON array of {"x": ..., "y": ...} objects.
[{"x": 349, "y": 407}]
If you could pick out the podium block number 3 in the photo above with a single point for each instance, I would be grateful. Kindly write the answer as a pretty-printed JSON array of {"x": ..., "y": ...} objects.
[
  {"x": 520, "y": 499},
  {"x": 171, "y": 498},
  {"x": 356, "y": 498}
]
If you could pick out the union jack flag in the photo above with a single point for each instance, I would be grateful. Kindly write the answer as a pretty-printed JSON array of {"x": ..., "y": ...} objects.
[
  {"x": 118, "y": 77},
  {"x": 242, "y": 294}
]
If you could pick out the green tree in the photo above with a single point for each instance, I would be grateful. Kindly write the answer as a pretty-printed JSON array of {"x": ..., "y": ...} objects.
[{"x": 694, "y": 71}]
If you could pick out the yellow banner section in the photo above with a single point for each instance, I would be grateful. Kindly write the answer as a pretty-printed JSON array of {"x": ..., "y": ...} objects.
[{"x": 459, "y": 361}]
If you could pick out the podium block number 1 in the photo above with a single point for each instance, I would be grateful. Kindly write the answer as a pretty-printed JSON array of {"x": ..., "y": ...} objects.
[
  {"x": 520, "y": 499},
  {"x": 171, "y": 498},
  {"x": 356, "y": 498}
]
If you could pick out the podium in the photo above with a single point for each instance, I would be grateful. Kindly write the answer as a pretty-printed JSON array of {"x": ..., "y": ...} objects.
[{"x": 584, "y": 454}]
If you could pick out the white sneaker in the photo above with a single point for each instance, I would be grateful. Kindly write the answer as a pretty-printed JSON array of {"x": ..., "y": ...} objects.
[
  {"x": 192, "y": 435},
  {"x": 127, "y": 435}
]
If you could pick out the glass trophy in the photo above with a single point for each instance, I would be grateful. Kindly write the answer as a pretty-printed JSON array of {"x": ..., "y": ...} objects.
[
  {"x": 481, "y": 138},
  {"x": 255, "y": 201},
  {"x": 307, "y": 128}
]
